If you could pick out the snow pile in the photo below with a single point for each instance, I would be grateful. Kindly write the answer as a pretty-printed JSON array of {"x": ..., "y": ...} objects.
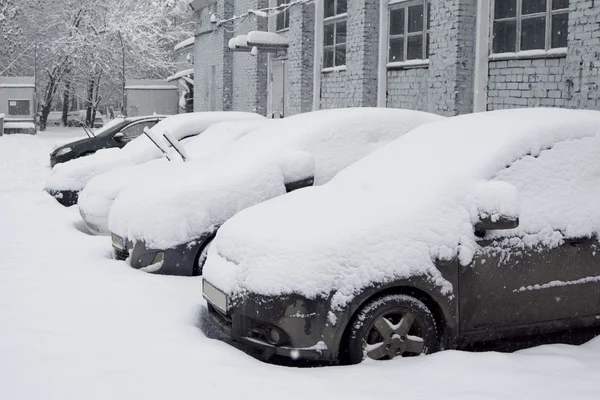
[
  {"x": 75, "y": 174},
  {"x": 253, "y": 169},
  {"x": 98, "y": 195},
  {"x": 390, "y": 215}
]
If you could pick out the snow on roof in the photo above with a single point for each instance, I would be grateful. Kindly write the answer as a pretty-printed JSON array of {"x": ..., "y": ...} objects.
[
  {"x": 260, "y": 38},
  {"x": 181, "y": 74},
  {"x": 98, "y": 195},
  {"x": 17, "y": 85},
  {"x": 19, "y": 125},
  {"x": 184, "y": 43},
  {"x": 254, "y": 169},
  {"x": 392, "y": 214},
  {"x": 151, "y": 87},
  {"x": 74, "y": 174}
]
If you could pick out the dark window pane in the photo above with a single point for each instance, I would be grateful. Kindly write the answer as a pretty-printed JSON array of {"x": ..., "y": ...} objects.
[
  {"x": 342, "y": 6},
  {"x": 505, "y": 37},
  {"x": 18, "y": 107},
  {"x": 428, "y": 16},
  {"x": 427, "y": 47},
  {"x": 329, "y": 8},
  {"x": 328, "y": 58},
  {"x": 396, "y": 50},
  {"x": 340, "y": 32},
  {"x": 533, "y": 33},
  {"x": 560, "y": 4},
  {"x": 328, "y": 34},
  {"x": 280, "y": 21},
  {"x": 415, "y": 48},
  {"x": 397, "y": 21},
  {"x": 340, "y": 55},
  {"x": 560, "y": 29},
  {"x": 533, "y": 6},
  {"x": 415, "y": 18},
  {"x": 505, "y": 9}
]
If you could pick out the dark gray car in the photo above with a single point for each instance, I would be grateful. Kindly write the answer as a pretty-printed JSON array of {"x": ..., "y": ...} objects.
[
  {"x": 410, "y": 274},
  {"x": 116, "y": 135}
]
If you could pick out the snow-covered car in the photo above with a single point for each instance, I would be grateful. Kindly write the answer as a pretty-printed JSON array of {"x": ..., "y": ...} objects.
[
  {"x": 478, "y": 227},
  {"x": 165, "y": 225},
  {"x": 117, "y": 133},
  {"x": 68, "y": 179},
  {"x": 98, "y": 195}
]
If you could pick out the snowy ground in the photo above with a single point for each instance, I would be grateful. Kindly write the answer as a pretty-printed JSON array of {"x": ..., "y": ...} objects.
[{"x": 75, "y": 324}]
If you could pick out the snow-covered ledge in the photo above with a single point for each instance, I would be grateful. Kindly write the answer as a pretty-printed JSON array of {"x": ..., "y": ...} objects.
[
  {"x": 529, "y": 54},
  {"x": 265, "y": 41}
]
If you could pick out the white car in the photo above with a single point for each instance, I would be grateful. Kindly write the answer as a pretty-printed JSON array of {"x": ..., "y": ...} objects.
[
  {"x": 68, "y": 179},
  {"x": 165, "y": 225},
  {"x": 475, "y": 228},
  {"x": 98, "y": 195}
]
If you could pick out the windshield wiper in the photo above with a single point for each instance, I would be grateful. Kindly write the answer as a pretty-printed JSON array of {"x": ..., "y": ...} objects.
[
  {"x": 151, "y": 137},
  {"x": 176, "y": 145}
]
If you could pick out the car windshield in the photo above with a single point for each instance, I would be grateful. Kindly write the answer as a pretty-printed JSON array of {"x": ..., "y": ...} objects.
[{"x": 110, "y": 128}]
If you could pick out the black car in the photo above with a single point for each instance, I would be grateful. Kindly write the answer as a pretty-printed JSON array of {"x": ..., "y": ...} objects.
[
  {"x": 112, "y": 135},
  {"x": 478, "y": 228}
]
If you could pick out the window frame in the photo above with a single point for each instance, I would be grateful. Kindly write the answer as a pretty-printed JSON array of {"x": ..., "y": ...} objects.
[
  {"x": 8, "y": 112},
  {"x": 425, "y": 33},
  {"x": 285, "y": 15},
  {"x": 518, "y": 19},
  {"x": 334, "y": 20}
]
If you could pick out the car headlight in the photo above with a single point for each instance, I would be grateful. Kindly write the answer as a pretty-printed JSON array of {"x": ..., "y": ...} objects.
[{"x": 63, "y": 151}]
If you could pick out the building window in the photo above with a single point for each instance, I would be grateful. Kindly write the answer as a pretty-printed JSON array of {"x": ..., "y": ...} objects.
[
  {"x": 409, "y": 31},
  {"x": 334, "y": 45},
  {"x": 283, "y": 18},
  {"x": 18, "y": 107},
  {"x": 521, "y": 25}
]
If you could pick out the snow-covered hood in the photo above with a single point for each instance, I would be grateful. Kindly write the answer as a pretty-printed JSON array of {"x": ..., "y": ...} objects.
[
  {"x": 177, "y": 209},
  {"x": 98, "y": 195},
  {"x": 75, "y": 174},
  {"x": 392, "y": 214}
]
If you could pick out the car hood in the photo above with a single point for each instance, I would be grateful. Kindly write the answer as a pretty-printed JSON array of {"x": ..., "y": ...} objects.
[
  {"x": 76, "y": 144},
  {"x": 181, "y": 204}
]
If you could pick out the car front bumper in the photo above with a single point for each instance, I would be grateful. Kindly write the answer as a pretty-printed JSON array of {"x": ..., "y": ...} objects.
[
  {"x": 179, "y": 260},
  {"x": 96, "y": 224},
  {"x": 301, "y": 324},
  {"x": 65, "y": 197}
]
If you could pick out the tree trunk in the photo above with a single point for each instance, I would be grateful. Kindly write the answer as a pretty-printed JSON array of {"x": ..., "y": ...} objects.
[
  {"x": 66, "y": 102},
  {"x": 89, "y": 102}
]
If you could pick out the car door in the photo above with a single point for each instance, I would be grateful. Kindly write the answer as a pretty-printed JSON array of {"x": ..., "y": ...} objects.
[
  {"x": 548, "y": 269},
  {"x": 136, "y": 129}
]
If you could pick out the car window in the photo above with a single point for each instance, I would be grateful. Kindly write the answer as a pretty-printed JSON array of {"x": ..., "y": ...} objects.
[
  {"x": 558, "y": 188},
  {"x": 135, "y": 130}
]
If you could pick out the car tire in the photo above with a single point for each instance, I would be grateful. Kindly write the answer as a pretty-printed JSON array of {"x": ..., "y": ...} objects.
[
  {"x": 201, "y": 258},
  {"x": 390, "y": 326}
]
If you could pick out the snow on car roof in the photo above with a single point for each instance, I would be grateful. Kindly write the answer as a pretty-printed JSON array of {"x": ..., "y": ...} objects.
[
  {"x": 392, "y": 214},
  {"x": 75, "y": 174},
  {"x": 254, "y": 169}
]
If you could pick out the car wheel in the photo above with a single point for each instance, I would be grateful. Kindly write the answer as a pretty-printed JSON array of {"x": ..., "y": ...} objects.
[
  {"x": 201, "y": 259},
  {"x": 391, "y": 326}
]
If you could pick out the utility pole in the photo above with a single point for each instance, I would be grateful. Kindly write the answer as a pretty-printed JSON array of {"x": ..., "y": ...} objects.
[
  {"x": 123, "y": 109},
  {"x": 35, "y": 96}
]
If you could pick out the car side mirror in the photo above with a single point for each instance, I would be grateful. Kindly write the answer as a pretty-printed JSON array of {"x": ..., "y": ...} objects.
[
  {"x": 298, "y": 169},
  {"x": 498, "y": 207},
  {"x": 119, "y": 137},
  {"x": 496, "y": 222}
]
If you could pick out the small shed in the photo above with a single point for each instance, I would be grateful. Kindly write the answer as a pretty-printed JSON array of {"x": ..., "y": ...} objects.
[
  {"x": 17, "y": 103},
  {"x": 150, "y": 96}
]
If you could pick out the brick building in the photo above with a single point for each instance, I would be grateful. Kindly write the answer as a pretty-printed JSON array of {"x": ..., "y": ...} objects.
[{"x": 443, "y": 56}]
